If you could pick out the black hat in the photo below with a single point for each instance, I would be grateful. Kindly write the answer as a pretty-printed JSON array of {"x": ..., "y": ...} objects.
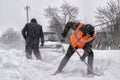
[{"x": 34, "y": 20}]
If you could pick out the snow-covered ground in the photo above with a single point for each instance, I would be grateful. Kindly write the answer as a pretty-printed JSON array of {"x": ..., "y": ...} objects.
[{"x": 14, "y": 66}]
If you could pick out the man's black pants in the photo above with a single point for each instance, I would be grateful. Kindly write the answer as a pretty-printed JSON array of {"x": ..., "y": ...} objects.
[
  {"x": 87, "y": 52},
  {"x": 35, "y": 48}
]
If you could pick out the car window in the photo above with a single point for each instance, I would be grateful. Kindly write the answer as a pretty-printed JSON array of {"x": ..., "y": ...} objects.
[{"x": 51, "y": 37}]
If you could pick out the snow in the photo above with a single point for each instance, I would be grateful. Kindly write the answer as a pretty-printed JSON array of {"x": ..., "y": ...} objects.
[{"x": 14, "y": 66}]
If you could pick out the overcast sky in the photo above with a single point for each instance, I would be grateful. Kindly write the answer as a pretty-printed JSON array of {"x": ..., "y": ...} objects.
[{"x": 13, "y": 14}]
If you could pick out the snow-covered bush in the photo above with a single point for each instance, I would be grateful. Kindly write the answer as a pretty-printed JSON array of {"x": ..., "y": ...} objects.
[{"x": 11, "y": 39}]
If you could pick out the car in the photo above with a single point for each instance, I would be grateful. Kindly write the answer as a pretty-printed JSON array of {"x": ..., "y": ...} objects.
[{"x": 52, "y": 42}]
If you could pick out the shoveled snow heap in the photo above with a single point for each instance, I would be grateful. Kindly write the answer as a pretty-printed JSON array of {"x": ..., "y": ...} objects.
[{"x": 14, "y": 66}]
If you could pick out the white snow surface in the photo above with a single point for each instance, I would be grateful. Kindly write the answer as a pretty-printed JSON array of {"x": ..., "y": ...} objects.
[{"x": 14, "y": 65}]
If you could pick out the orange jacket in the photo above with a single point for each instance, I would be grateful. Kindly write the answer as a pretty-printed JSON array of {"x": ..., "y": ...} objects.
[{"x": 77, "y": 40}]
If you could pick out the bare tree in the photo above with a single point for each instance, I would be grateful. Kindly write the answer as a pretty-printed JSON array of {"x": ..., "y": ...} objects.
[
  {"x": 69, "y": 12},
  {"x": 54, "y": 19},
  {"x": 51, "y": 12},
  {"x": 110, "y": 13},
  {"x": 11, "y": 39},
  {"x": 58, "y": 17},
  {"x": 10, "y": 36},
  {"x": 109, "y": 18}
]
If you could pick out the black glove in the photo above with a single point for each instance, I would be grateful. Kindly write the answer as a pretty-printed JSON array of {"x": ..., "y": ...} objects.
[
  {"x": 24, "y": 37},
  {"x": 63, "y": 35},
  {"x": 82, "y": 58},
  {"x": 42, "y": 45},
  {"x": 91, "y": 33}
]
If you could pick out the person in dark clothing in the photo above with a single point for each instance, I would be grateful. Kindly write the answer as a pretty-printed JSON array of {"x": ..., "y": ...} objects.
[
  {"x": 82, "y": 37},
  {"x": 33, "y": 33}
]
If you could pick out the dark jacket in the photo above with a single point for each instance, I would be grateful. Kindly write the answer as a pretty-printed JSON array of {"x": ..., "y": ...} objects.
[
  {"x": 87, "y": 28},
  {"x": 32, "y": 32}
]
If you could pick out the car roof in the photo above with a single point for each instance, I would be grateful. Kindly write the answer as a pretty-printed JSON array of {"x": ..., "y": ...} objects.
[{"x": 49, "y": 32}]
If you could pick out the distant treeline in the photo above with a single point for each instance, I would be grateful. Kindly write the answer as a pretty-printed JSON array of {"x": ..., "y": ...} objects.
[{"x": 107, "y": 40}]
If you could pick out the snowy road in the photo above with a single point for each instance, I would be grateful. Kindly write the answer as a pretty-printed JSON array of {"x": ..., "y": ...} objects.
[{"x": 14, "y": 66}]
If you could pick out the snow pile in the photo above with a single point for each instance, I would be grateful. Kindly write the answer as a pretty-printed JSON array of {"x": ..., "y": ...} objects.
[{"x": 14, "y": 66}]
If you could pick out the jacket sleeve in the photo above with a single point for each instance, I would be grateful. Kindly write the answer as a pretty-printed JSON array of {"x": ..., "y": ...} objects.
[
  {"x": 70, "y": 25},
  {"x": 42, "y": 36},
  {"x": 94, "y": 36},
  {"x": 24, "y": 32}
]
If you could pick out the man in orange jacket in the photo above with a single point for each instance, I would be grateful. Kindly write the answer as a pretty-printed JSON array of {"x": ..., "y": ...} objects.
[{"x": 82, "y": 37}]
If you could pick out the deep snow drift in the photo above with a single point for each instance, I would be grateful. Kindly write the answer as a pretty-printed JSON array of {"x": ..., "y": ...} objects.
[{"x": 14, "y": 66}]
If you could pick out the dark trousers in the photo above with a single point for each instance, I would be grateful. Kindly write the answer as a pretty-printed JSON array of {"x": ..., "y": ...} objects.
[
  {"x": 87, "y": 52},
  {"x": 35, "y": 48}
]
